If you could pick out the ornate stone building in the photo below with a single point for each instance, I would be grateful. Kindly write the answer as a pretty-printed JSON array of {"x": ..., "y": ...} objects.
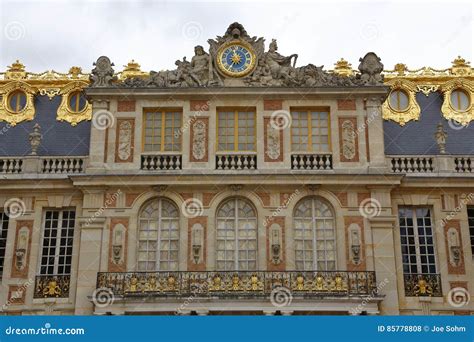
[{"x": 237, "y": 183}]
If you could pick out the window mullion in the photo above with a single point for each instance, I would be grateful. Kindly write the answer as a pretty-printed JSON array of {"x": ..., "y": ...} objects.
[
  {"x": 417, "y": 242},
  {"x": 158, "y": 236},
  {"x": 58, "y": 242},
  {"x": 236, "y": 131},
  {"x": 310, "y": 132},
  {"x": 236, "y": 230},
  {"x": 315, "y": 253},
  {"x": 162, "y": 131}
]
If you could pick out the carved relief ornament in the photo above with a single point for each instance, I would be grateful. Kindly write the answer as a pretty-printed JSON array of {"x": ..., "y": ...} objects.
[
  {"x": 348, "y": 140},
  {"x": 199, "y": 140},
  {"x": 124, "y": 148}
]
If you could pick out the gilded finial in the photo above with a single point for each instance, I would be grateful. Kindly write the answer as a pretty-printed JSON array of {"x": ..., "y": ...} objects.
[
  {"x": 75, "y": 71},
  {"x": 132, "y": 69},
  {"x": 16, "y": 71},
  {"x": 343, "y": 68},
  {"x": 400, "y": 68},
  {"x": 460, "y": 67}
]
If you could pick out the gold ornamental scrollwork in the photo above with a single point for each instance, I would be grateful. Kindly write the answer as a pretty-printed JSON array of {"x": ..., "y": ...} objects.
[
  {"x": 449, "y": 112},
  {"x": 25, "y": 114},
  {"x": 65, "y": 113},
  {"x": 412, "y": 112}
]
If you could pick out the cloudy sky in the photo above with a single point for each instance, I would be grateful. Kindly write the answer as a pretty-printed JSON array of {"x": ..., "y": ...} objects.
[{"x": 56, "y": 34}]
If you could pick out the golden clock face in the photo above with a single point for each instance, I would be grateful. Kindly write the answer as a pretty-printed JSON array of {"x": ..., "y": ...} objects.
[{"x": 236, "y": 59}]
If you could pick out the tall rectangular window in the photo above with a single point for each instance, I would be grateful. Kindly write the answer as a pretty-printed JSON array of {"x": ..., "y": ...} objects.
[
  {"x": 470, "y": 216},
  {"x": 58, "y": 236},
  {"x": 236, "y": 130},
  {"x": 310, "y": 130},
  {"x": 161, "y": 131},
  {"x": 3, "y": 239},
  {"x": 416, "y": 234}
]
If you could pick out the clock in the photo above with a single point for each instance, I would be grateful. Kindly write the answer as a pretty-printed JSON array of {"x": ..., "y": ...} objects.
[{"x": 236, "y": 59}]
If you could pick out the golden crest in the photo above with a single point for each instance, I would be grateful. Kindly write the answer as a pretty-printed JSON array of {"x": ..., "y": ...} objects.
[
  {"x": 411, "y": 112},
  {"x": 10, "y": 115},
  {"x": 68, "y": 114}
]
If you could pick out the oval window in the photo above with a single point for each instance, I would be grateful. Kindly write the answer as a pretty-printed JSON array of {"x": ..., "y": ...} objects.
[
  {"x": 398, "y": 100},
  {"x": 17, "y": 101},
  {"x": 460, "y": 100},
  {"x": 77, "y": 101}
]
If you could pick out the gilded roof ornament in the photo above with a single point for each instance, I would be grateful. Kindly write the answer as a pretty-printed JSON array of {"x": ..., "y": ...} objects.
[
  {"x": 400, "y": 69},
  {"x": 461, "y": 67},
  {"x": 343, "y": 68},
  {"x": 16, "y": 71},
  {"x": 132, "y": 69}
]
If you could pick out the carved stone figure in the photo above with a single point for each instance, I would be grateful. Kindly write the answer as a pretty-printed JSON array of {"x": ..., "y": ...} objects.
[
  {"x": 200, "y": 65},
  {"x": 273, "y": 142},
  {"x": 125, "y": 140},
  {"x": 35, "y": 139},
  {"x": 103, "y": 74},
  {"x": 371, "y": 69},
  {"x": 348, "y": 140},
  {"x": 279, "y": 65},
  {"x": 440, "y": 136},
  {"x": 199, "y": 140}
]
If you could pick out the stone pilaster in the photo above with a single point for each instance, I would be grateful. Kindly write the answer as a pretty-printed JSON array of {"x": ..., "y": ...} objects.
[{"x": 376, "y": 138}]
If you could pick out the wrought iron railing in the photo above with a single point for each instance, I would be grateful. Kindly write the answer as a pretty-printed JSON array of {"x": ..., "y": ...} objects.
[
  {"x": 52, "y": 286},
  {"x": 238, "y": 284},
  {"x": 422, "y": 285}
]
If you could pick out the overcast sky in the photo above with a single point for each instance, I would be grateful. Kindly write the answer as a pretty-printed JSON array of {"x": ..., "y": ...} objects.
[{"x": 59, "y": 34}]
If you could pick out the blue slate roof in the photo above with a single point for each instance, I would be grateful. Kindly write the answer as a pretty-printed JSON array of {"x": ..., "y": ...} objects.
[
  {"x": 59, "y": 138},
  {"x": 417, "y": 137}
]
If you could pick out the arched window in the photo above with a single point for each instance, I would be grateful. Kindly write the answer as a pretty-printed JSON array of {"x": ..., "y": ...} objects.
[
  {"x": 314, "y": 234},
  {"x": 158, "y": 236},
  {"x": 236, "y": 236}
]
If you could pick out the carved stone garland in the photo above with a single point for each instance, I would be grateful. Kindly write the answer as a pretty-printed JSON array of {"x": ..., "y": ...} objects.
[{"x": 199, "y": 140}]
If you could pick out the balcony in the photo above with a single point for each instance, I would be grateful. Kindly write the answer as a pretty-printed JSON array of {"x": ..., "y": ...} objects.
[
  {"x": 422, "y": 285},
  {"x": 43, "y": 165},
  {"x": 52, "y": 286},
  {"x": 304, "y": 161},
  {"x": 156, "y": 162},
  {"x": 231, "y": 284},
  {"x": 417, "y": 164},
  {"x": 236, "y": 161}
]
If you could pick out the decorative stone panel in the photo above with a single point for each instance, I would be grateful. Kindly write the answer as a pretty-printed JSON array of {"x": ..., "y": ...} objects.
[
  {"x": 118, "y": 245},
  {"x": 273, "y": 142},
  {"x": 454, "y": 247},
  {"x": 22, "y": 249},
  {"x": 272, "y": 104},
  {"x": 346, "y": 104},
  {"x": 355, "y": 243},
  {"x": 348, "y": 140},
  {"x": 110, "y": 199},
  {"x": 126, "y": 106},
  {"x": 194, "y": 223},
  {"x": 199, "y": 105},
  {"x": 199, "y": 141},
  {"x": 16, "y": 294},
  {"x": 124, "y": 140},
  {"x": 270, "y": 223}
]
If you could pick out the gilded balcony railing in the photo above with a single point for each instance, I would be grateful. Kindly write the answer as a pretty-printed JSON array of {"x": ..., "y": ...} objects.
[
  {"x": 52, "y": 286},
  {"x": 238, "y": 284},
  {"x": 423, "y": 285}
]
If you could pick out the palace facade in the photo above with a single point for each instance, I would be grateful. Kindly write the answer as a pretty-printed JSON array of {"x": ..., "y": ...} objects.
[{"x": 238, "y": 183}]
